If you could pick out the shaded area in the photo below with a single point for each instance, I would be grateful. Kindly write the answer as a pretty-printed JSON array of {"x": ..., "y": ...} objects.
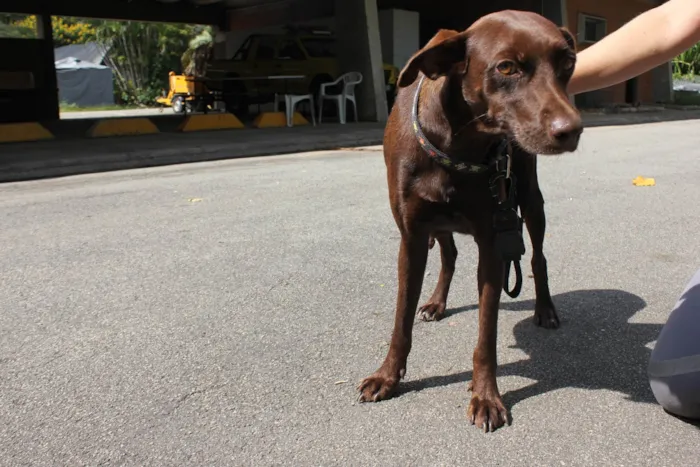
[{"x": 595, "y": 348}]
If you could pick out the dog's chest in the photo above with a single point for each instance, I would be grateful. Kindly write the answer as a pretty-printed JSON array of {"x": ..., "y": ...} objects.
[{"x": 464, "y": 204}]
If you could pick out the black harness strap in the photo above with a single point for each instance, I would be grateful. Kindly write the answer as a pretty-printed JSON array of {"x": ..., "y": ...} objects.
[{"x": 506, "y": 222}]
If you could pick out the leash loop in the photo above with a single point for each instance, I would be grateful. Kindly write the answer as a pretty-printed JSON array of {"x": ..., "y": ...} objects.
[{"x": 518, "y": 279}]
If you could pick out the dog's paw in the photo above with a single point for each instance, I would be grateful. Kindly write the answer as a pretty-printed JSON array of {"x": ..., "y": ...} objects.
[
  {"x": 377, "y": 387},
  {"x": 546, "y": 317},
  {"x": 487, "y": 413},
  {"x": 432, "y": 311}
]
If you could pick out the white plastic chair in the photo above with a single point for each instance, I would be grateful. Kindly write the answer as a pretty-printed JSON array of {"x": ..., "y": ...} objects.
[
  {"x": 290, "y": 103},
  {"x": 350, "y": 81}
]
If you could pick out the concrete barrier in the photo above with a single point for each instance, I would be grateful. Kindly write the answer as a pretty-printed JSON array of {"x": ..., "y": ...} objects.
[{"x": 22, "y": 132}]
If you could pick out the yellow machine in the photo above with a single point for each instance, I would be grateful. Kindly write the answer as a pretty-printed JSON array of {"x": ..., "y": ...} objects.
[{"x": 186, "y": 94}]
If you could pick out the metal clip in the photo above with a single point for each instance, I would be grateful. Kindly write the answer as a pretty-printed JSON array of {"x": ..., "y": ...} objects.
[{"x": 509, "y": 158}]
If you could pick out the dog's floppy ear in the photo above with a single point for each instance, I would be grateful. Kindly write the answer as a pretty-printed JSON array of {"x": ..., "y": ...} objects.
[
  {"x": 569, "y": 38},
  {"x": 437, "y": 58}
]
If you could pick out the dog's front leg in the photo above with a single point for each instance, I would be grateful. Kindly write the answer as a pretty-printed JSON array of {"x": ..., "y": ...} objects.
[
  {"x": 413, "y": 254},
  {"x": 545, "y": 312},
  {"x": 486, "y": 409}
]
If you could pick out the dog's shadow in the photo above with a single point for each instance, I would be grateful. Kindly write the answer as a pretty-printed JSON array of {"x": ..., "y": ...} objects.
[{"x": 596, "y": 347}]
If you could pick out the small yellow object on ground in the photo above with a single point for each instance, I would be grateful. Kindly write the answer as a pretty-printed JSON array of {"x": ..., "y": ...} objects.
[{"x": 642, "y": 181}]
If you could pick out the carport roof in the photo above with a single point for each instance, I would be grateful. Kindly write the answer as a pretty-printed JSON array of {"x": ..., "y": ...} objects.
[{"x": 184, "y": 11}]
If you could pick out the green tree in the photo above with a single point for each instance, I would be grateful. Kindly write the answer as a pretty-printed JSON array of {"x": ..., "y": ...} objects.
[
  {"x": 195, "y": 58},
  {"x": 687, "y": 64},
  {"x": 142, "y": 54},
  {"x": 11, "y": 26},
  {"x": 66, "y": 30}
]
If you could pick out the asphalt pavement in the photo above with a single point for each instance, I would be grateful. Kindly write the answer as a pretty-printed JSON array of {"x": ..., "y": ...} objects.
[{"x": 222, "y": 313}]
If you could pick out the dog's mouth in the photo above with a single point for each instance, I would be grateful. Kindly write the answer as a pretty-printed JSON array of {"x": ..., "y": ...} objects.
[
  {"x": 539, "y": 142},
  {"x": 558, "y": 136}
]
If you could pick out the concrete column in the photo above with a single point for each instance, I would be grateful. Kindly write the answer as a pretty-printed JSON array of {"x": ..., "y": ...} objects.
[
  {"x": 555, "y": 11},
  {"x": 360, "y": 49},
  {"x": 400, "y": 34},
  {"x": 45, "y": 33},
  {"x": 662, "y": 83}
]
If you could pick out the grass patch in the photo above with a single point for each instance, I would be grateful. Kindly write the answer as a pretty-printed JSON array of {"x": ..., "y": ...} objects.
[{"x": 98, "y": 108}]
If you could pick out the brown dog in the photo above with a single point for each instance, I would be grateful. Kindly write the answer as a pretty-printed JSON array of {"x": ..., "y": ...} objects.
[{"x": 472, "y": 111}]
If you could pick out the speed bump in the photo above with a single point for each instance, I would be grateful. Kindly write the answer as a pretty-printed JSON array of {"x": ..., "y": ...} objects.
[
  {"x": 215, "y": 121},
  {"x": 21, "y": 132},
  {"x": 278, "y": 120},
  {"x": 122, "y": 127}
]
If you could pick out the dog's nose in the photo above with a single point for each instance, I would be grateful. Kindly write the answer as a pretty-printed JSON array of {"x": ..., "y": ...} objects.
[{"x": 566, "y": 130}]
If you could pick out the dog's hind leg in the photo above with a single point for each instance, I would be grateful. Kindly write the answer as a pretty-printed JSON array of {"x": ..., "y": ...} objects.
[{"x": 434, "y": 309}]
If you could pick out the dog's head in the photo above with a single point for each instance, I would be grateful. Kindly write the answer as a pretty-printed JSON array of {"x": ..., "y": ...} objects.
[{"x": 514, "y": 67}]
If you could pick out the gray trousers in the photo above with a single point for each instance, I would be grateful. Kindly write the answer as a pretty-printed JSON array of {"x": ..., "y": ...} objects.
[{"x": 674, "y": 367}]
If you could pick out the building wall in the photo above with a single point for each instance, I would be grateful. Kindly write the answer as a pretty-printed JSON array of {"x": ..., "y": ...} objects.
[{"x": 617, "y": 13}]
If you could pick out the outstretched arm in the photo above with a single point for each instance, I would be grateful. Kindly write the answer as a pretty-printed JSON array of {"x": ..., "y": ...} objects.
[{"x": 652, "y": 38}]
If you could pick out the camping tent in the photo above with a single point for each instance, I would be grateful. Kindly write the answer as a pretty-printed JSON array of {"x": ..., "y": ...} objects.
[
  {"x": 89, "y": 52},
  {"x": 84, "y": 84}
]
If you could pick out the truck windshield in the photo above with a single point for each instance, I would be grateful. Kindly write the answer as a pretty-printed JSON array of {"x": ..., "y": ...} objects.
[{"x": 319, "y": 47}]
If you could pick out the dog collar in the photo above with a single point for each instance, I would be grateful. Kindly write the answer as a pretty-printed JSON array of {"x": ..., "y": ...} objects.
[{"x": 444, "y": 159}]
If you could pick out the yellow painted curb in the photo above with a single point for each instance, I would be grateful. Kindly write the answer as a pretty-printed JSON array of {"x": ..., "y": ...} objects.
[
  {"x": 20, "y": 132},
  {"x": 218, "y": 121},
  {"x": 277, "y": 120},
  {"x": 122, "y": 127}
]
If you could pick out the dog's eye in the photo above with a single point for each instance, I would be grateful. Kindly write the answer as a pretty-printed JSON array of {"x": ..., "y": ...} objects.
[
  {"x": 568, "y": 64},
  {"x": 507, "y": 67}
]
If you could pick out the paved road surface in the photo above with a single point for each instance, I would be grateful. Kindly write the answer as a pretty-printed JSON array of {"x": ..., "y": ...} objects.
[{"x": 221, "y": 314}]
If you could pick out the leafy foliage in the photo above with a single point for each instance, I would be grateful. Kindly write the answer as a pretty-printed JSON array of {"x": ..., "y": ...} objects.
[
  {"x": 142, "y": 54},
  {"x": 687, "y": 64},
  {"x": 66, "y": 30},
  {"x": 11, "y": 27},
  {"x": 195, "y": 58}
]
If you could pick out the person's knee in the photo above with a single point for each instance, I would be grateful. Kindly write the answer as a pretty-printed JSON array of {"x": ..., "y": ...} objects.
[
  {"x": 678, "y": 394},
  {"x": 674, "y": 366}
]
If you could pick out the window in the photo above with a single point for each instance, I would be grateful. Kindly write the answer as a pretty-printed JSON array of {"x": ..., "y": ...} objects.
[
  {"x": 266, "y": 48},
  {"x": 591, "y": 28},
  {"x": 243, "y": 51},
  {"x": 289, "y": 50},
  {"x": 320, "y": 48}
]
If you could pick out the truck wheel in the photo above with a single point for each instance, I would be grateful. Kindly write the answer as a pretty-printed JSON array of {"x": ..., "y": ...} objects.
[{"x": 178, "y": 104}]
